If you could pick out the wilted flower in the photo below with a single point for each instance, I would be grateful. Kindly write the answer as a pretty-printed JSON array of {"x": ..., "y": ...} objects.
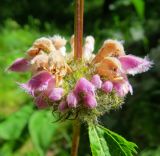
[
  {"x": 110, "y": 67},
  {"x": 39, "y": 62},
  {"x": 84, "y": 89},
  {"x": 59, "y": 43},
  {"x": 44, "y": 44},
  {"x": 88, "y": 48},
  {"x": 110, "y": 48}
]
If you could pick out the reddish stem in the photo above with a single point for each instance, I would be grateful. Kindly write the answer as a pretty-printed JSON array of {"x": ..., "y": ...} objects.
[
  {"x": 78, "y": 44},
  {"x": 76, "y": 137},
  {"x": 78, "y": 28}
]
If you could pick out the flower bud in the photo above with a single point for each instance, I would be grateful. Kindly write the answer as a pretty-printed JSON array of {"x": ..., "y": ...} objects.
[
  {"x": 72, "y": 100},
  {"x": 84, "y": 86},
  {"x": 90, "y": 101},
  {"x": 96, "y": 81},
  {"x": 62, "y": 106},
  {"x": 107, "y": 86}
]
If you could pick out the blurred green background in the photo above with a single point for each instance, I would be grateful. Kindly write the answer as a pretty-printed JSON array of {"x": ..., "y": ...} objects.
[{"x": 25, "y": 131}]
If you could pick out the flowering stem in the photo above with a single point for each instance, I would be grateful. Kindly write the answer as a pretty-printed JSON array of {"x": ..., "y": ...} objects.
[
  {"x": 78, "y": 43},
  {"x": 78, "y": 28},
  {"x": 76, "y": 137}
]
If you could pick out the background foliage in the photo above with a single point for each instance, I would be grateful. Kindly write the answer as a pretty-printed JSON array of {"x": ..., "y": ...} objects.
[{"x": 134, "y": 21}]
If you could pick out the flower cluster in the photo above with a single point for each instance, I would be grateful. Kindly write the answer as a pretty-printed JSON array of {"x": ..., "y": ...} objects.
[{"x": 87, "y": 87}]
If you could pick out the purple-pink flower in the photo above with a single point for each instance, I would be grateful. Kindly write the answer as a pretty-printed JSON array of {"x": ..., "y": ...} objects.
[
  {"x": 133, "y": 65},
  {"x": 123, "y": 88},
  {"x": 85, "y": 90},
  {"x": 42, "y": 86},
  {"x": 19, "y": 65},
  {"x": 56, "y": 94},
  {"x": 38, "y": 82}
]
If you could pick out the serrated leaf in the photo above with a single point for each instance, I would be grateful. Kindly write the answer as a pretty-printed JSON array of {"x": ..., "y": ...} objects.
[
  {"x": 107, "y": 143},
  {"x": 42, "y": 129},
  {"x": 98, "y": 144},
  {"x": 12, "y": 127},
  {"x": 139, "y": 6},
  {"x": 117, "y": 144}
]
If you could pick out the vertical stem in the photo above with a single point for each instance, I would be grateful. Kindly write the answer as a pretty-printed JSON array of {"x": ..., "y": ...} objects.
[
  {"x": 78, "y": 28},
  {"x": 76, "y": 137},
  {"x": 78, "y": 43}
]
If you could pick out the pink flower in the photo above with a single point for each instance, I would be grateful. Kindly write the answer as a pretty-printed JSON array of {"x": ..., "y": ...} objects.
[
  {"x": 62, "y": 106},
  {"x": 123, "y": 88},
  {"x": 107, "y": 86},
  {"x": 42, "y": 86},
  {"x": 86, "y": 90},
  {"x": 39, "y": 82},
  {"x": 90, "y": 101},
  {"x": 56, "y": 94},
  {"x": 96, "y": 81},
  {"x": 19, "y": 65},
  {"x": 84, "y": 86},
  {"x": 134, "y": 65},
  {"x": 72, "y": 100}
]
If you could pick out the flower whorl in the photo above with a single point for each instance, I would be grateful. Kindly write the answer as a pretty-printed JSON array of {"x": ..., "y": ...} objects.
[{"x": 89, "y": 87}]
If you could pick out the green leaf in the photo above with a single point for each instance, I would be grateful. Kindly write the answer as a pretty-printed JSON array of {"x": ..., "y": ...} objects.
[
  {"x": 12, "y": 127},
  {"x": 139, "y": 6},
  {"x": 42, "y": 129},
  {"x": 98, "y": 144},
  {"x": 117, "y": 145}
]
